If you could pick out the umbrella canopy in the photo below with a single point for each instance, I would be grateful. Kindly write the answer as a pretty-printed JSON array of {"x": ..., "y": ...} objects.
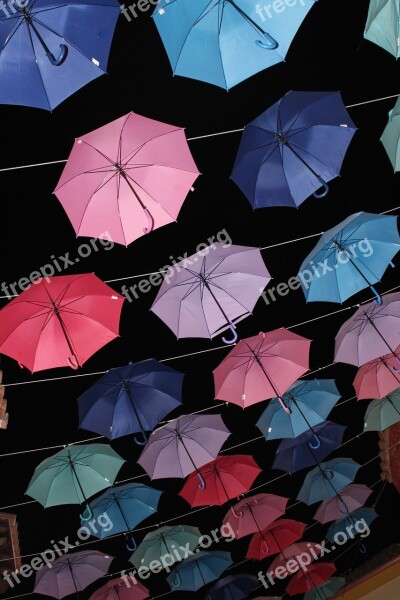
[
  {"x": 368, "y": 515},
  {"x": 226, "y": 477},
  {"x": 304, "y": 581},
  {"x": 131, "y": 399},
  {"x": 255, "y": 513},
  {"x": 61, "y": 321},
  {"x": 293, "y": 148},
  {"x": 223, "y": 42},
  {"x": 261, "y": 367},
  {"x": 378, "y": 377},
  {"x": 350, "y": 498},
  {"x": 45, "y": 56},
  {"x": 116, "y": 589},
  {"x": 198, "y": 570},
  {"x": 391, "y": 135},
  {"x": 275, "y": 538},
  {"x": 371, "y": 332},
  {"x": 382, "y": 26},
  {"x": 127, "y": 178},
  {"x": 183, "y": 446},
  {"x": 163, "y": 541},
  {"x": 384, "y": 413},
  {"x": 74, "y": 474},
  {"x": 326, "y": 590},
  {"x": 72, "y": 573},
  {"x": 233, "y": 587},
  {"x": 327, "y": 479},
  {"x": 209, "y": 292},
  {"x": 309, "y": 402},
  {"x": 293, "y": 552},
  {"x": 350, "y": 257}
]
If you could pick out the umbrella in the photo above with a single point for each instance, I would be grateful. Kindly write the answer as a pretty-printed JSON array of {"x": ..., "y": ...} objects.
[
  {"x": 126, "y": 506},
  {"x": 391, "y": 135},
  {"x": 127, "y": 178},
  {"x": 345, "y": 502},
  {"x": 350, "y": 257},
  {"x": 261, "y": 367},
  {"x": 198, "y": 570},
  {"x": 183, "y": 445},
  {"x": 164, "y": 540},
  {"x": 275, "y": 538},
  {"x": 296, "y": 453},
  {"x": 384, "y": 413},
  {"x": 209, "y": 292},
  {"x": 346, "y": 525},
  {"x": 293, "y": 148},
  {"x": 131, "y": 399},
  {"x": 295, "y": 552},
  {"x": 370, "y": 332},
  {"x": 60, "y": 321},
  {"x": 74, "y": 474},
  {"x": 223, "y": 42},
  {"x": 304, "y": 581},
  {"x": 49, "y": 50},
  {"x": 382, "y": 26},
  {"x": 378, "y": 377},
  {"x": 309, "y": 403},
  {"x": 233, "y": 587},
  {"x": 327, "y": 479},
  {"x": 226, "y": 477},
  {"x": 255, "y": 513},
  {"x": 72, "y": 573},
  {"x": 116, "y": 589},
  {"x": 326, "y": 590}
]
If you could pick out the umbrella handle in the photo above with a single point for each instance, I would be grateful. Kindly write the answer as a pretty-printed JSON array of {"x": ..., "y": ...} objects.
[
  {"x": 151, "y": 221},
  {"x": 317, "y": 444},
  {"x": 19, "y": 358},
  {"x": 133, "y": 547},
  {"x": 235, "y": 335},
  {"x": 63, "y": 55},
  {"x": 272, "y": 43},
  {"x": 396, "y": 370},
  {"x": 143, "y": 441},
  {"x": 378, "y": 299},
  {"x": 202, "y": 484},
  {"x": 177, "y": 577},
  {"x": 324, "y": 185},
  {"x": 344, "y": 512},
  {"x": 89, "y": 512},
  {"x": 73, "y": 362},
  {"x": 264, "y": 548},
  {"x": 362, "y": 548},
  {"x": 330, "y": 475},
  {"x": 238, "y": 515},
  {"x": 285, "y": 408}
]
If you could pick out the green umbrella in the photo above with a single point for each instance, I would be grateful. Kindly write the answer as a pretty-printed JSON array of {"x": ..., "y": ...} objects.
[
  {"x": 382, "y": 25},
  {"x": 381, "y": 414},
  {"x": 75, "y": 474},
  {"x": 164, "y": 541},
  {"x": 391, "y": 136},
  {"x": 328, "y": 589}
]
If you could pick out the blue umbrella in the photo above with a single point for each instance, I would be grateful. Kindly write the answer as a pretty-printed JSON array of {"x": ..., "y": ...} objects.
[
  {"x": 233, "y": 587},
  {"x": 295, "y": 454},
  {"x": 310, "y": 402},
  {"x": 198, "y": 570},
  {"x": 126, "y": 506},
  {"x": 131, "y": 399},
  {"x": 367, "y": 514},
  {"x": 327, "y": 479},
  {"x": 350, "y": 257},
  {"x": 328, "y": 589},
  {"x": 223, "y": 42},
  {"x": 293, "y": 148},
  {"x": 50, "y": 49}
]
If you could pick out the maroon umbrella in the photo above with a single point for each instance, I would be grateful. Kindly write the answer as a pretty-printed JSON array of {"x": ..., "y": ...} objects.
[
  {"x": 305, "y": 581},
  {"x": 275, "y": 538},
  {"x": 116, "y": 589},
  {"x": 255, "y": 513}
]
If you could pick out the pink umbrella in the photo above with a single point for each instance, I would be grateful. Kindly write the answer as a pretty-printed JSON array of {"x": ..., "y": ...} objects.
[
  {"x": 350, "y": 498},
  {"x": 296, "y": 552},
  {"x": 127, "y": 178},
  {"x": 262, "y": 367},
  {"x": 255, "y": 513},
  {"x": 378, "y": 377},
  {"x": 117, "y": 589}
]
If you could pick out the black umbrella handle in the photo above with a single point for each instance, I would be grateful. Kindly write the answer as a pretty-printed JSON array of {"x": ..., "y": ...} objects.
[{"x": 63, "y": 48}]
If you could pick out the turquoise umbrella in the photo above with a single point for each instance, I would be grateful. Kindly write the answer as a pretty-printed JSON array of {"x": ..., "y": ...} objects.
[
  {"x": 165, "y": 540},
  {"x": 382, "y": 26},
  {"x": 75, "y": 474},
  {"x": 328, "y": 589},
  {"x": 327, "y": 479},
  {"x": 391, "y": 136},
  {"x": 381, "y": 414}
]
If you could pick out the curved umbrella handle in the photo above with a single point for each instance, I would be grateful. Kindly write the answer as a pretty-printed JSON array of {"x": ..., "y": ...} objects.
[
  {"x": 285, "y": 408},
  {"x": 324, "y": 185},
  {"x": 264, "y": 548},
  {"x": 143, "y": 441},
  {"x": 151, "y": 221},
  {"x": 202, "y": 484},
  {"x": 238, "y": 515},
  {"x": 329, "y": 475},
  {"x": 131, "y": 544},
  {"x": 317, "y": 443},
  {"x": 19, "y": 358},
  {"x": 89, "y": 513},
  {"x": 73, "y": 362},
  {"x": 378, "y": 299},
  {"x": 392, "y": 264},
  {"x": 344, "y": 512},
  {"x": 63, "y": 55},
  {"x": 272, "y": 43},
  {"x": 235, "y": 335},
  {"x": 177, "y": 577},
  {"x": 362, "y": 548}
]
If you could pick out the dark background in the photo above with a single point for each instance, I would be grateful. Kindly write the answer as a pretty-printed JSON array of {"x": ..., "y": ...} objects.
[{"x": 328, "y": 53}]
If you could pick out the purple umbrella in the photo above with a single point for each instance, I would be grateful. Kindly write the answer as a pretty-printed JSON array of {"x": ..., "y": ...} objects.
[
  {"x": 72, "y": 573},
  {"x": 350, "y": 498},
  {"x": 183, "y": 445},
  {"x": 373, "y": 331},
  {"x": 212, "y": 290}
]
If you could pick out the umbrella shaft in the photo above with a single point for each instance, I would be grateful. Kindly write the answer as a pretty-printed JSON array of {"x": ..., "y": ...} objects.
[
  {"x": 371, "y": 322},
  {"x": 76, "y": 477},
  {"x": 30, "y": 24},
  {"x": 117, "y": 502},
  {"x": 343, "y": 249},
  {"x": 218, "y": 474},
  {"x": 65, "y": 332},
  {"x": 258, "y": 361},
  {"x": 125, "y": 176},
  {"x": 287, "y": 145},
  {"x": 246, "y": 16},
  {"x": 126, "y": 387},
  {"x": 73, "y": 578},
  {"x": 187, "y": 452},
  {"x": 208, "y": 287}
]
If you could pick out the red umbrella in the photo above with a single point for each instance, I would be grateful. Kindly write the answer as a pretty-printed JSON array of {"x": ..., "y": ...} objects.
[
  {"x": 275, "y": 538},
  {"x": 226, "y": 477},
  {"x": 61, "y": 321},
  {"x": 255, "y": 513},
  {"x": 349, "y": 498},
  {"x": 116, "y": 589},
  {"x": 262, "y": 367},
  {"x": 378, "y": 377},
  {"x": 308, "y": 550},
  {"x": 305, "y": 581}
]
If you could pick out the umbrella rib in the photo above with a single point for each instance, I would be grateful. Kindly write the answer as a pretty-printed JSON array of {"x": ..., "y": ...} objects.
[{"x": 133, "y": 153}]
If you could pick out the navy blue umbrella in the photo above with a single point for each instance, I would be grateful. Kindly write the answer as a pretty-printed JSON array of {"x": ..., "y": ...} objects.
[
  {"x": 366, "y": 515},
  {"x": 233, "y": 587},
  {"x": 49, "y": 49},
  {"x": 131, "y": 399},
  {"x": 293, "y": 148}
]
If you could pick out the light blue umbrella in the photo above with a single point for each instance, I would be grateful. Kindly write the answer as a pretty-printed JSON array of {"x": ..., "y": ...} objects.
[
  {"x": 223, "y": 42},
  {"x": 198, "y": 570},
  {"x": 382, "y": 26},
  {"x": 310, "y": 403},
  {"x": 391, "y": 136},
  {"x": 328, "y": 589},
  {"x": 365, "y": 513},
  {"x": 327, "y": 479},
  {"x": 350, "y": 257}
]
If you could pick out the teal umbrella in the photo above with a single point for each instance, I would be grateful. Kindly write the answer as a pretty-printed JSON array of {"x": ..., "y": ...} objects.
[
  {"x": 75, "y": 474},
  {"x": 198, "y": 570},
  {"x": 381, "y": 414},
  {"x": 328, "y": 589},
  {"x": 327, "y": 479},
  {"x": 165, "y": 540},
  {"x": 391, "y": 136},
  {"x": 382, "y": 26}
]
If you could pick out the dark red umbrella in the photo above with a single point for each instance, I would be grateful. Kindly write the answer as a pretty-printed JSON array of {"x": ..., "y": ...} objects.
[
  {"x": 275, "y": 538},
  {"x": 305, "y": 581},
  {"x": 117, "y": 589}
]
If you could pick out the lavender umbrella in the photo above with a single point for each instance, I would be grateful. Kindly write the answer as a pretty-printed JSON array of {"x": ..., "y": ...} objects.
[
  {"x": 183, "y": 445},
  {"x": 212, "y": 290}
]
